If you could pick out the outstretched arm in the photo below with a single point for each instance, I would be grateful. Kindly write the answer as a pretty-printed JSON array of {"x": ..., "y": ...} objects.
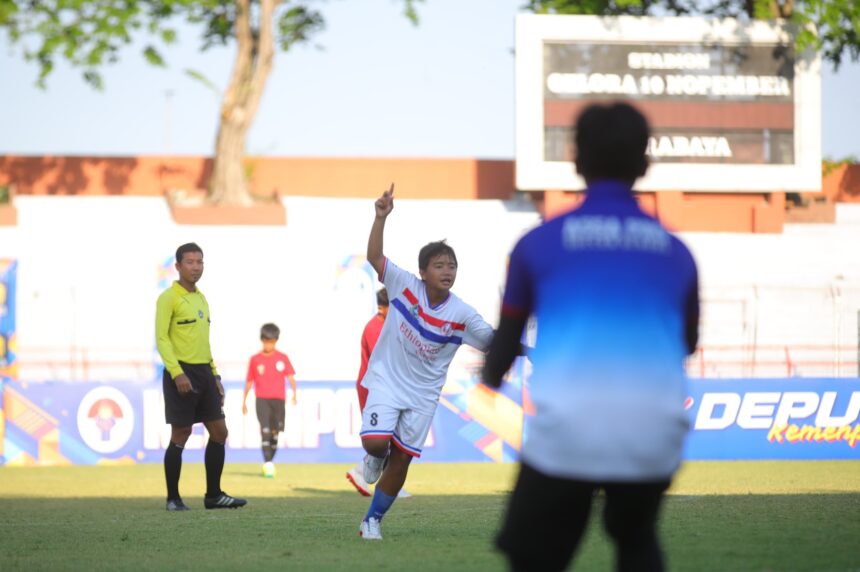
[
  {"x": 384, "y": 205},
  {"x": 504, "y": 348}
]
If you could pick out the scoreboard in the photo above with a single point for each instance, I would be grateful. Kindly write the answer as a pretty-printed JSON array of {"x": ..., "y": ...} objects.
[{"x": 732, "y": 106}]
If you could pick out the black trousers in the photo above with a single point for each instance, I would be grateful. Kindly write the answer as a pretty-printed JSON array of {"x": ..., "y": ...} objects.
[{"x": 547, "y": 517}]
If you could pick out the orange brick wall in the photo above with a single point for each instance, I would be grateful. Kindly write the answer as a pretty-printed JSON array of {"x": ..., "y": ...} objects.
[
  {"x": 414, "y": 178},
  {"x": 711, "y": 212},
  {"x": 843, "y": 184},
  {"x": 326, "y": 177}
]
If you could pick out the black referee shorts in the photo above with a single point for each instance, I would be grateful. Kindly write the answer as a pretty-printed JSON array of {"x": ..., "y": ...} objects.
[
  {"x": 271, "y": 413},
  {"x": 202, "y": 404},
  {"x": 547, "y": 517}
]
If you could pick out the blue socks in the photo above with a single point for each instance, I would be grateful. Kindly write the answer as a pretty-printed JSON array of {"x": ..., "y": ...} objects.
[{"x": 379, "y": 505}]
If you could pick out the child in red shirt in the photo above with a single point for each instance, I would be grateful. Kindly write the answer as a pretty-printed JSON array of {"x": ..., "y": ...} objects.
[{"x": 266, "y": 373}]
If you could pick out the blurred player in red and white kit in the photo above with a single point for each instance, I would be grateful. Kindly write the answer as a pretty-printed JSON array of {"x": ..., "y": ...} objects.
[
  {"x": 267, "y": 371},
  {"x": 368, "y": 341}
]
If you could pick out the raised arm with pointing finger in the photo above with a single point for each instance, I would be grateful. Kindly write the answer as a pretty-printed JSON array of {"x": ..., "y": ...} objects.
[
  {"x": 426, "y": 326},
  {"x": 383, "y": 205}
]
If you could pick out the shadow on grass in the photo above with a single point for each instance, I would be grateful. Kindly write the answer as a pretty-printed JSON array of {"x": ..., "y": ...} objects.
[
  {"x": 450, "y": 532},
  {"x": 294, "y": 532}
]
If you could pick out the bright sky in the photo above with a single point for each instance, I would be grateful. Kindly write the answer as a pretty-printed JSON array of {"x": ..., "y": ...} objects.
[{"x": 375, "y": 87}]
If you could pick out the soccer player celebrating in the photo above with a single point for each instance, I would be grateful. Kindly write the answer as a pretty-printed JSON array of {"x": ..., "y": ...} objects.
[
  {"x": 407, "y": 369},
  {"x": 192, "y": 387},
  {"x": 616, "y": 301}
]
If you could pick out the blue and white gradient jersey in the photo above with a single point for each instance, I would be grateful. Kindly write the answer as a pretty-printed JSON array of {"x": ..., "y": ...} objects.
[
  {"x": 418, "y": 341},
  {"x": 612, "y": 291}
]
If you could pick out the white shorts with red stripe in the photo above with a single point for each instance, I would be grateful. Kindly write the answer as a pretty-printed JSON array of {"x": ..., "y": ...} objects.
[{"x": 384, "y": 418}]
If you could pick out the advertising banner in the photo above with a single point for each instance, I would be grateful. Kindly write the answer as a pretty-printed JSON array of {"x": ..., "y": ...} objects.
[
  {"x": 94, "y": 423},
  {"x": 795, "y": 418}
]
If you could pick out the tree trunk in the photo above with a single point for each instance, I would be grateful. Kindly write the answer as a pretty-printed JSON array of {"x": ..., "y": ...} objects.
[
  {"x": 780, "y": 8},
  {"x": 254, "y": 56}
]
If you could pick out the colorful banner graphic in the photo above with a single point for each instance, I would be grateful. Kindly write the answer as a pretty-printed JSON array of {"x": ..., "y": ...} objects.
[
  {"x": 91, "y": 423},
  {"x": 8, "y": 342}
]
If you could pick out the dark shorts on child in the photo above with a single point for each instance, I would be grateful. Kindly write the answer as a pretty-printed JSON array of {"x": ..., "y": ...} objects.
[{"x": 271, "y": 413}]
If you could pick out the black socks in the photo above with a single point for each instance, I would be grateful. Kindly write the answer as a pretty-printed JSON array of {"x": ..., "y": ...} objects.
[
  {"x": 172, "y": 468},
  {"x": 214, "y": 461}
]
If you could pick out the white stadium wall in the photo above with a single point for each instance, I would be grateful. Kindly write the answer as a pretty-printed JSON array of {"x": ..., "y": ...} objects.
[
  {"x": 781, "y": 305},
  {"x": 89, "y": 271}
]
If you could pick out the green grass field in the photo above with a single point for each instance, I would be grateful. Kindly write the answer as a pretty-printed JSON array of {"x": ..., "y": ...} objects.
[{"x": 719, "y": 516}]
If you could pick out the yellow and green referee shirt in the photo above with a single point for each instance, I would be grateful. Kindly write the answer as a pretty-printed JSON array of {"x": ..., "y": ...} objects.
[{"x": 182, "y": 329}]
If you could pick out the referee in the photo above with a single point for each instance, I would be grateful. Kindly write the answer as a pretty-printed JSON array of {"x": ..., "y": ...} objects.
[{"x": 192, "y": 387}]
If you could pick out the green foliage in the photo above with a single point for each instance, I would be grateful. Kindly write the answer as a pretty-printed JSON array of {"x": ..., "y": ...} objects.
[
  {"x": 208, "y": 83},
  {"x": 153, "y": 57},
  {"x": 718, "y": 516},
  {"x": 7, "y": 10},
  {"x": 586, "y": 7},
  {"x": 296, "y": 24},
  {"x": 411, "y": 11},
  {"x": 828, "y": 164},
  {"x": 90, "y": 33},
  {"x": 831, "y": 27}
]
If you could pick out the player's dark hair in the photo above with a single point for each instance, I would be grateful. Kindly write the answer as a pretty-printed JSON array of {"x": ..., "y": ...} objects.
[
  {"x": 433, "y": 250},
  {"x": 270, "y": 332},
  {"x": 187, "y": 247},
  {"x": 382, "y": 297},
  {"x": 610, "y": 142}
]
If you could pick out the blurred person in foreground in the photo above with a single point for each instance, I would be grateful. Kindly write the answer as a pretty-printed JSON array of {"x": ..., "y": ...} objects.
[{"x": 615, "y": 296}]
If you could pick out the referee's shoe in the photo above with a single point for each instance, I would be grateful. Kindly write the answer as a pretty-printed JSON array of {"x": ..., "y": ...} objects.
[
  {"x": 223, "y": 500},
  {"x": 176, "y": 505}
]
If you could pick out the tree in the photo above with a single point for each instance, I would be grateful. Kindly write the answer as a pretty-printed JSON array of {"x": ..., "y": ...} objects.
[
  {"x": 831, "y": 27},
  {"x": 90, "y": 34}
]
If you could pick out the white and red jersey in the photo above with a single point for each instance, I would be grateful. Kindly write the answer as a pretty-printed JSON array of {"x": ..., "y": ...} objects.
[
  {"x": 269, "y": 373},
  {"x": 418, "y": 341}
]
